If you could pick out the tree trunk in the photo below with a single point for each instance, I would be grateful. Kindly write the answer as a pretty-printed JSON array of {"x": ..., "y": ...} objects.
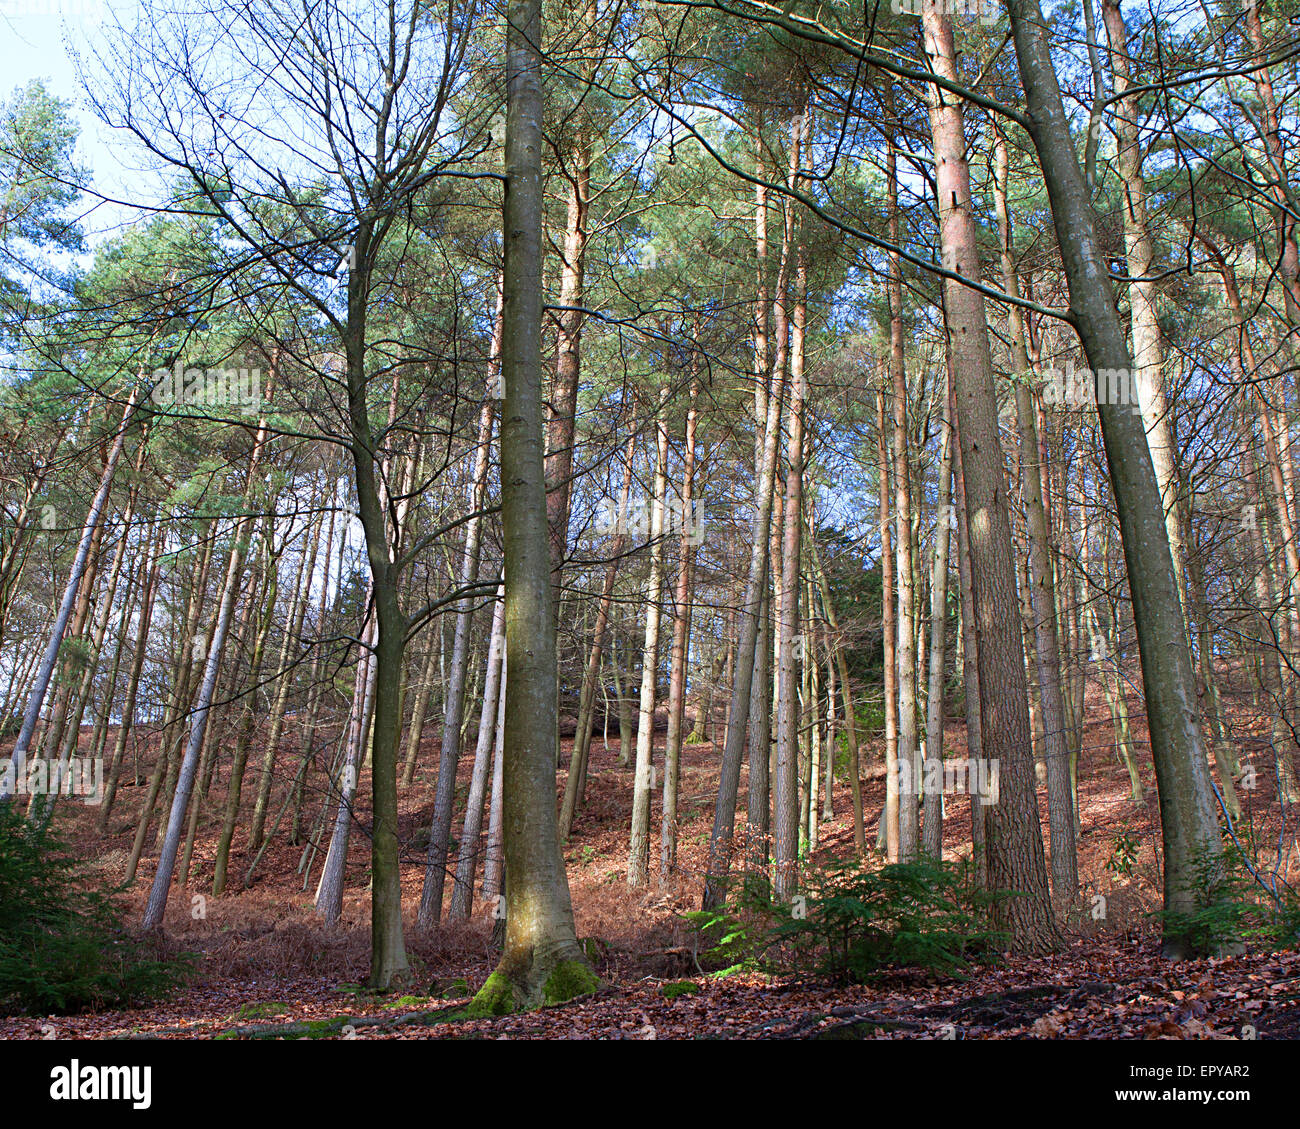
[
  {"x": 909, "y": 764},
  {"x": 541, "y": 959},
  {"x": 1042, "y": 594},
  {"x": 785, "y": 786},
  {"x": 933, "y": 828},
  {"x": 1188, "y": 824},
  {"x": 970, "y": 665},
  {"x": 329, "y": 890},
  {"x": 724, "y": 814},
  {"x": 462, "y": 894},
  {"x": 888, "y": 836},
  {"x": 680, "y": 650},
  {"x": 89, "y": 534},
  {"x": 638, "y": 862},
  {"x": 1015, "y": 840},
  {"x": 189, "y": 764}
]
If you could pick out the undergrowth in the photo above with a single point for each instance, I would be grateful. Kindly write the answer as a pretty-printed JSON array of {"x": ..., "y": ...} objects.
[
  {"x": 851, "y": 923},
  {"x": 63, "y": 945}
]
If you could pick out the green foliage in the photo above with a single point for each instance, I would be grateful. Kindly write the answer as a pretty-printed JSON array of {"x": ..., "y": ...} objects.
[
  {"x": 569, "y": 979},
  {"x": 406, "y": 1001},
  {"x": 38, "y": 168},
  {"x": 853, "y": 923},
  {"x": 736, "y": 931},
  {"x": 679, "y": 988},
  {"x": 1231, "y": 909},
  {"x": 1123, "y": 855},
  {"x": 64, "y": 949},
  {"x": 496, "y": 997}
]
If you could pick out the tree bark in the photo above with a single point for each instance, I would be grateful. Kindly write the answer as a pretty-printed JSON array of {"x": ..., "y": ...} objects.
[
  {"x": 1188, "y": 824},
  {"x": 1015, "y": 840},
  {"x": 541, "y": 959}
]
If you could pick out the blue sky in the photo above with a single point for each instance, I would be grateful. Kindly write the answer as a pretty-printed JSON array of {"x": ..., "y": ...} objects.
[{"x": 37, "y": 40}]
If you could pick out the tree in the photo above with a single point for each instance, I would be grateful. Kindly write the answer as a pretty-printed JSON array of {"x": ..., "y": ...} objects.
[
  {"x": 1188, "y": 825},
  {"x": 541, "y": 960}
]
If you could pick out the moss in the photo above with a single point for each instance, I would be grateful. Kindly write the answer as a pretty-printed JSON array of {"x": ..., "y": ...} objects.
[
  {"x": 406, "y": 1001},
  {"x": 680, "y": 988},
  {"x": 322, "y": 1028},
  {"x": 496, "y": 997},
  {"x": 569, "y": 979},
  {"x": 353, "y": 989},
  {"x": 302, "y": 1029},
  {"x": 263, "y": 1010}
]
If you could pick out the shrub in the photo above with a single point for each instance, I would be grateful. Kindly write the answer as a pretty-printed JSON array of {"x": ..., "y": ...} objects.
[
  {"x": 853, "y": 923},
  {"x": 1231, "y": 909},
  {"x": 64, "y": 948},
  {"x": 1123, "y": 855}
]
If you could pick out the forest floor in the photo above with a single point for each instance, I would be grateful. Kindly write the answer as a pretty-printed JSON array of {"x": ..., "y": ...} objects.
[{"x": 269, "y": 968}]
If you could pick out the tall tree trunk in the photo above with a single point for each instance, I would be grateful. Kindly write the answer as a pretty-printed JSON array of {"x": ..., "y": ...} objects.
[
  {"x": 785, "y": 786},
  {"x": 758, "y": 814},
  {"x": 189, "y": 763},
  {"x": 970, "y": 665},
  {"x": 933, "y": 828},
  {"x": 909, "y": 763},
  {"x": 89, "y": 535},
  {"x": 329, "y": 890},
  {"x": 1042, "y": 594},
  {"x": 1188, "y": 824},
  {"x": 680, "y": 649},
  {"x": 638, "y": 861},
  {"x": 42, "y": 807},
  {"x": 127, "y": 718},
  {"x": 888, "y": 830},
  {"x": 724, "y": 815},
  {"x": 494, "y": 862},
  {"x": 1148, "y": 344},
  {"x": 541, "y": 958},
  {"x": 1015, "y": 839}
]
